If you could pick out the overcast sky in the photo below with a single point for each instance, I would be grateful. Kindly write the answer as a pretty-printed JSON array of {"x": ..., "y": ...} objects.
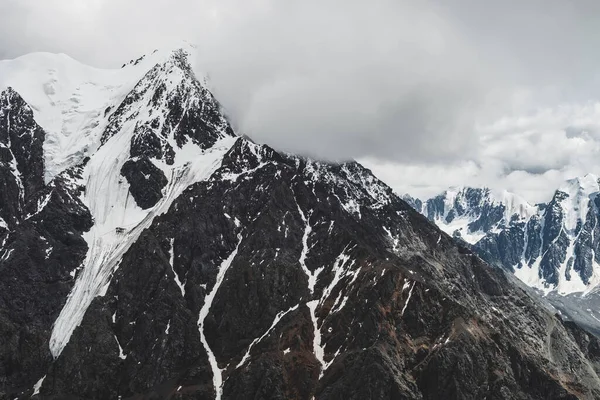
[{"x": 427, "y": 93}]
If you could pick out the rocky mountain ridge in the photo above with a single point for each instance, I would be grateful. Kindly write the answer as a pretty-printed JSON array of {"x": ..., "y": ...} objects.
[
  {"x": 163, "y": 256},
  {"x": 549, "y": 246}
]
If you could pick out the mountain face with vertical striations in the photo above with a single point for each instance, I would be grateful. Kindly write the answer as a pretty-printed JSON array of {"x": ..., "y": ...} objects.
[
  {"x": 552, "y": 246},
  {"x": 149, "y": 252}
]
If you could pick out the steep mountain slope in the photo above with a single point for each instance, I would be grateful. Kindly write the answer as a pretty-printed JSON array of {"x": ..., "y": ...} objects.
[
  {"x": 71, "y": 101},
  {"x": 178, "y": 260}
]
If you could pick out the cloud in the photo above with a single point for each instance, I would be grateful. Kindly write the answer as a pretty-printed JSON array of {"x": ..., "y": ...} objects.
[
  {"x": 437, "y": 92},
  {"x": 334, "y": 79},
  {"x": 531, "y": 155}
]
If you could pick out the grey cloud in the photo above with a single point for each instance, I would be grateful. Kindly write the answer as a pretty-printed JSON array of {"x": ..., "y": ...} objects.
[
  {"x": 423, "y": 84},
  {"x": 586, "y": 132},
  {"x": 335, "y": 79}
]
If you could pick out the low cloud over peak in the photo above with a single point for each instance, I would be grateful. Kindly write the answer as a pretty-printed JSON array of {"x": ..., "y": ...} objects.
[{"x": 429, "y": 94}]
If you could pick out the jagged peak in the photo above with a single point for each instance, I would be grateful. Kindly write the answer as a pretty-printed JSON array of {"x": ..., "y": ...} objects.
[
  {"x": 495, "y": 195},
  {"x": 8, "y": 92},
  {"x": 181, "y": 54},
  {"x": 473, "y": 211},
  {"x": 8, "y": 98},
  {"x": 454, "y": 192},
  {"x": 514, "y": 203},
  {"x": 73, "y": 102},
  {"x": 574, "y": 198},
  {"x": 588, "y": 183}
]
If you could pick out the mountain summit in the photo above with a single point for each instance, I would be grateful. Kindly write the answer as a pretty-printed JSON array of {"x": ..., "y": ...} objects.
[
  {"x": 147, "y": 251},
  {"x": 550, "y": 246}
]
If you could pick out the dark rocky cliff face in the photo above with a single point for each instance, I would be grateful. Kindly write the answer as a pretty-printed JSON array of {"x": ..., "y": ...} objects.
[
  {"x": 41, "y": 245},
  {"x": 274, "y": 277},
  {"x": 21, "y": 157}
]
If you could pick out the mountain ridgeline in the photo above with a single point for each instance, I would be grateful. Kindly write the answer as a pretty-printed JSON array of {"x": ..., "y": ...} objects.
[
  {"x": 552, "y": 246},
  {"x": 147, "y": 251}
]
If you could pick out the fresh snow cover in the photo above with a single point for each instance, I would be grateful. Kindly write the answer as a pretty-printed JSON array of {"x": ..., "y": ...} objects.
[
  {"x": 312, "y": 276},
  {"x": 575, "y": 207},
  {"x": 276, "y": 320},
  {"x": 461, "y": 224},
  {"x": 108, "y": 198},
  {"x": 574, "y": 210},
  {"x": 408, "y": 298},
  {"x": 176, "y": 277},
  {"x": 217, "y": 372},
  {"x": 122, "y": 355},
  {"x": 38, "y": 386},
  {"x": 14, "y": 168},
  {"x": 513, "y": 205},
  {"x": 318, "y": 349},
  {"x": 575, "y": 284},
  {"x": 71, "y": 100},
  {"x": 530, "y": 275},
  {"x": 340, "y": 270}
]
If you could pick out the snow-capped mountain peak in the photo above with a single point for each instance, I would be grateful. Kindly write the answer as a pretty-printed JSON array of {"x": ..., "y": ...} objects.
[
  {"x": 514, "y": 205},
  {"x": 579, "y": 192},
  {"x": 550, "y": 246},
  {"x": 137, "y": 136},
  {"x": 72, "y": 101},
  {"x": 471, "y": 212},
  {"x": 165, "y": 134}
]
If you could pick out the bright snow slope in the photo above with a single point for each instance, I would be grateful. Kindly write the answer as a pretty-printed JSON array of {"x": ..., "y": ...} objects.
[{"x": 73, "y": 102}]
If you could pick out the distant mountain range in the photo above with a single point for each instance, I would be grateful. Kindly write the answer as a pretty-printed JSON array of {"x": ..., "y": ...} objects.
[{"x": 552, "y": 246}]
